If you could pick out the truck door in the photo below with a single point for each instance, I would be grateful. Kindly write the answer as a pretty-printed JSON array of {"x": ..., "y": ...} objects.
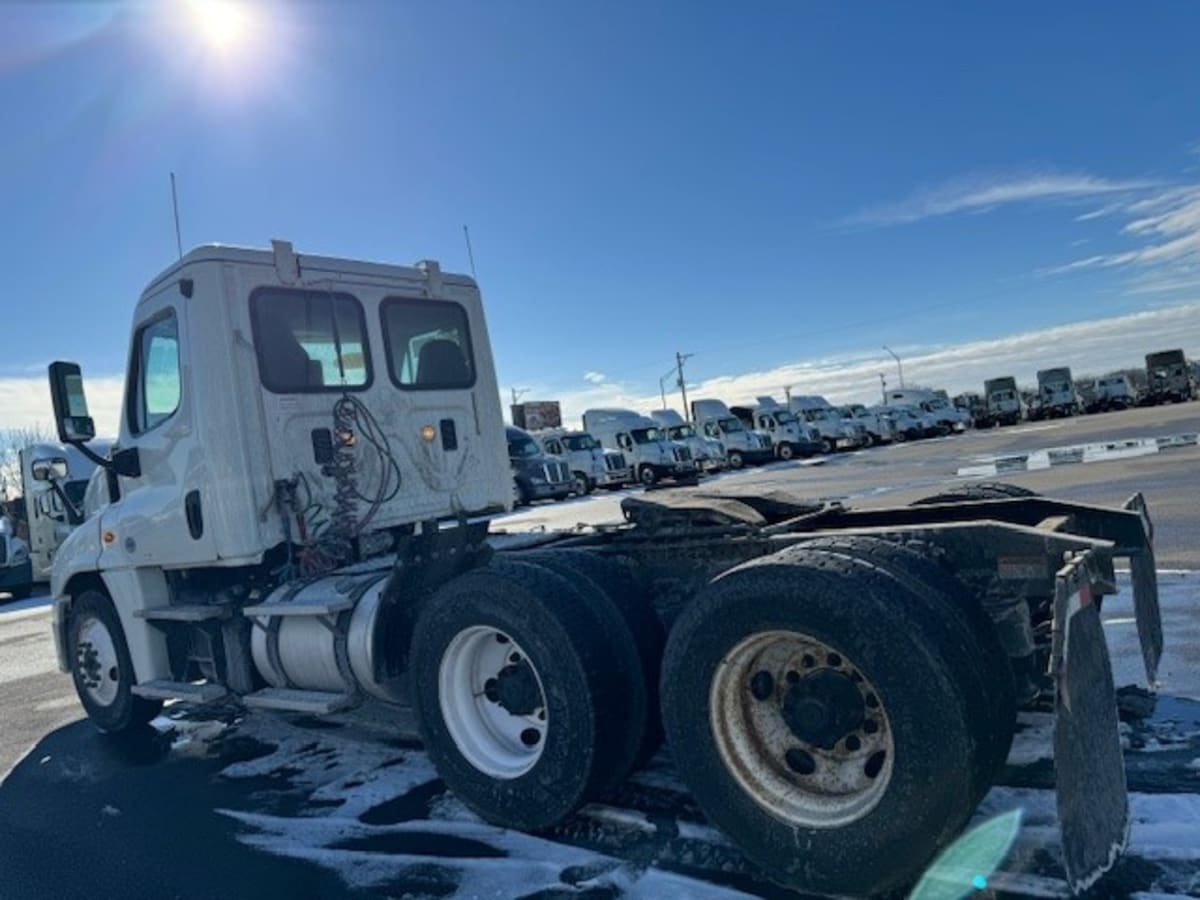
[{"x": 159, "y": 518}]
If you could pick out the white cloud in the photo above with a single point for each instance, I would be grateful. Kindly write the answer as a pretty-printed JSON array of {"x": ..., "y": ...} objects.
[
  {"x": 25, "y": 402},
  {"x": 980, "y": 194},
  {"x": 1092, "y": 347},
  {"x": 595, "y": 377}
]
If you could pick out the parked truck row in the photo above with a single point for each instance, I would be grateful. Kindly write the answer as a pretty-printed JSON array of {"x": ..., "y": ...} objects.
[{"x": 297, "y": 517}]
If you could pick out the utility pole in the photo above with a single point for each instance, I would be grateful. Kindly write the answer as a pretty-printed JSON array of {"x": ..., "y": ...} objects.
[
  {"x": 517, "y": 395},
  {"x": 787, "y": 394},
  {"x": 883, "y": 387},
  {"x": 899, "y": 370},
  {"x": 680, "y": 359}
]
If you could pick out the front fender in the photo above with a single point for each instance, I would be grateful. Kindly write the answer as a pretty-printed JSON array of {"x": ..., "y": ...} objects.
[{"x": 79, "y": 554}]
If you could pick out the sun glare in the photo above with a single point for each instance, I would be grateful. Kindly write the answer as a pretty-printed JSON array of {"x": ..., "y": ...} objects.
[{"x": 223, "y": 25}]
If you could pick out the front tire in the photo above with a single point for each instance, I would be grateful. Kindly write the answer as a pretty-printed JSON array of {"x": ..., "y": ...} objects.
[
  {"x": 101, "y": 666},
  {"x": 647, "y": 476},
  {"x": 736, "y": 460},
  {"x": 785, "y": 451},
  {"x": 805, "y": 709}
]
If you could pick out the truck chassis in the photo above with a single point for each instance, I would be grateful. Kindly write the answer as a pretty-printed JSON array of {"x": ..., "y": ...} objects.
[{"x": 829, "y": 680}]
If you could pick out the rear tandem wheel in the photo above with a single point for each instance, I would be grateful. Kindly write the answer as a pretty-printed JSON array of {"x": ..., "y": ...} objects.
[{"x": 817, "y": 721}]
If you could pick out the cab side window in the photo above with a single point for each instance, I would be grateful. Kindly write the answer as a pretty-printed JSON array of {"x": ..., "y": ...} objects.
[
  {"x": 624, "y": 441},
  {"x": 155, "y": 385}
]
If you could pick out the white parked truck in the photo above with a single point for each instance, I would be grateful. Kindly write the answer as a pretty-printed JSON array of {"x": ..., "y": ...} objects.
[
  {"x": 16, "y": 568},
  {"x": 591, "y": 465},
  {"x": 54, "y": 482},
  {"x": 952, "y": 418},
  {"x": 1004, "y": 403},
  {"x": 648, "y": 450},
  {"x": 707, "y": 453},
  {"x": 1114, "y": 391},
  {"x": 1056, "y": 393},
  {"x": 835, "y": 431},
  {"x": 880, "y": 429},
  {"x": 788, "y": 435},
  {"x": 740, "y": 445},
  {"x": 297, "y": 519},
  {"x": 1168, "y": 377}
]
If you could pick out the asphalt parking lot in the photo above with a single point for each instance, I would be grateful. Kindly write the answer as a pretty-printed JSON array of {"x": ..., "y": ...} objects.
[{"x": 214, "y": 804}]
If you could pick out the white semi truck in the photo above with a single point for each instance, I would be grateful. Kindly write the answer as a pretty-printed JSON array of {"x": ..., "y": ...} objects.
[
  {"x": 708, "y": 453},
  {"x": 16, "y": 568},
  {"x": 1168, "y": 377},
  {"x": 1056, "y": 393},
  {"x": 880, "y": 428},
  {"x": 789, "y": 436},
  {"x": 297, "y": 519},
  {"x": 836, "y": 432},
  {"x": 1004, "y": 403},
  {"x": 591, "y": 465},
  {"x": 939, "y": 407},
  {"x": 54, "y": 482},
  {"x": 649, "y": 452},
  {"x": 741, "y": 445},
  {"x": 1114, "y": 391}
]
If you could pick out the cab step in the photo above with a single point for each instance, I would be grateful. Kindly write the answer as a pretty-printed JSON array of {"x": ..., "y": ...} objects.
[
  {"x": 317, "y": 703},
  {"x": 179, "y": 690},
  {"x": 193, "y": 612},
  {"x": 315, "y": 608}
]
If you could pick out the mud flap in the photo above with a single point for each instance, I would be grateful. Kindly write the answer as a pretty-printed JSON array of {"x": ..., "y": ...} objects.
[
  {"x": 1093, "y": 806},
  {"x": 1145, "y": 594}
]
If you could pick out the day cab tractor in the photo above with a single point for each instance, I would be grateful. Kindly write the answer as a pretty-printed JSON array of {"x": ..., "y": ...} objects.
[{"x": 296, "y": 517}]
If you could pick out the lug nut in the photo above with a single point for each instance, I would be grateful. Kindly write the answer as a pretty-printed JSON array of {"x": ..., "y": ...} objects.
[
  {"x": 762, "y": 685},
  {"x": 833, "y": 660},
  {"x": 800, "y": 761}
]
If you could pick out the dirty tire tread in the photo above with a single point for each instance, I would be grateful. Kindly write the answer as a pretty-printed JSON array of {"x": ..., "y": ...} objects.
[
  {"x": 564, "y": 638},
  {"x": 631, "y": 715},
  {"x": 127, "y": 712},
  {"x": 850, "y": 606},
  {"x": 983, "y": 490},
  {"x": 970, "y": 639},
  {"x": 621, "y": 585}
]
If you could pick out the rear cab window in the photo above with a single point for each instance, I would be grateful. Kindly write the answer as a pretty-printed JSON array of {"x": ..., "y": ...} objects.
[
  {"x": 428, "y": 344},
  {"x": 309, "y": 341}
]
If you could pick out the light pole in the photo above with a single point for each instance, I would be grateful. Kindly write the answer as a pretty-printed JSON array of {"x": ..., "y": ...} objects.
[
  {"x": 680, "y": 359},
  {"x": 883, "y": 387},
  {"x": 662, "y": 388},
  {"x": 899, "y": 369}
]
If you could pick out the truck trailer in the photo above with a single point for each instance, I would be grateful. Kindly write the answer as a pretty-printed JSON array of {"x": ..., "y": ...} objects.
[{"x": 302, "y": 524}]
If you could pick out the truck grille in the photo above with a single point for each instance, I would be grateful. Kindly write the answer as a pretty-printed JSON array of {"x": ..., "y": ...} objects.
[
  {"x": 682, "y": 454},
  {"x": 614, "y": 461},
  {"x": 556, "y": 472}
]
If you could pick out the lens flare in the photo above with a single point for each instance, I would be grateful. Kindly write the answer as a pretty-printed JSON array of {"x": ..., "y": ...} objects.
[{"x": 222, "y": 25}]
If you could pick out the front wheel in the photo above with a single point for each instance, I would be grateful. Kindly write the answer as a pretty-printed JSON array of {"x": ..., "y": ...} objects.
[
  {"x": 583, "y": 486},
  {"x": 785, "y": 451},
  {"x": 101, "y": 667},
  {"x": 647, "y": 476},
  {"x": 828, "y": 445},
  {"x": 736, "y": 461}
]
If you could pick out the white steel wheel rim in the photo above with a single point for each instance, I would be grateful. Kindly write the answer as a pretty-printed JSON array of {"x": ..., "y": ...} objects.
[
  {"x": 769, "y": 761},
  {"x": 96, "y": 661},
  {"x": 785, "y": 451},
  {"x": 493, "y": 740}
]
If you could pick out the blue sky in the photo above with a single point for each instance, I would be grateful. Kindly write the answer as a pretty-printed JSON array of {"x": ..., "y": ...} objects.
[{"x": 769, "y": 190}]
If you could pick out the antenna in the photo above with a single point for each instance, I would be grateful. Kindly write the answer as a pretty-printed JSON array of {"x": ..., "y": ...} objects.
[
  {"x": 175, "y": 206},
  {"x": 470, "y": 252}
]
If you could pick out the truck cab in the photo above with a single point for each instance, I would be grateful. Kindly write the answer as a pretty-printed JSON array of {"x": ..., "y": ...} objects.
[
  {"x": 590, "y": 465},
  {"x": 835, "y": 431},
  {"x": 16, "y": 569},
  {"x": 1003, "y": 399},
  {"x": 1168, "y": 377},
  {"x": 536, "y": 475},
  {"x": 717, "y": 422},
  {"x": 707, "y": 452},
  {"x": 54, "y": 482},
  {"x": 880, "y": 429},
  {"x": 651, "y": 454},
  {"x": 1056, "y": 393},
  {"x": 788, "y": 435},
  {"x": 1114, "y": 391},
  {"x": 942, "y": 410}
]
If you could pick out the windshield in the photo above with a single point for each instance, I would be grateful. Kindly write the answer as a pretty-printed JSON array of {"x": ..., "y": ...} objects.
[
  {"x": 937, "y": 403},
  {"x": 783, "y": 417},
  {"x": 580, "y": 442},
  {"x": 730, "y": 425},
  {"x": 646, "y": 435},
  {"x": 523, "y": 448},
  {"x": 681, "y": 432}
]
